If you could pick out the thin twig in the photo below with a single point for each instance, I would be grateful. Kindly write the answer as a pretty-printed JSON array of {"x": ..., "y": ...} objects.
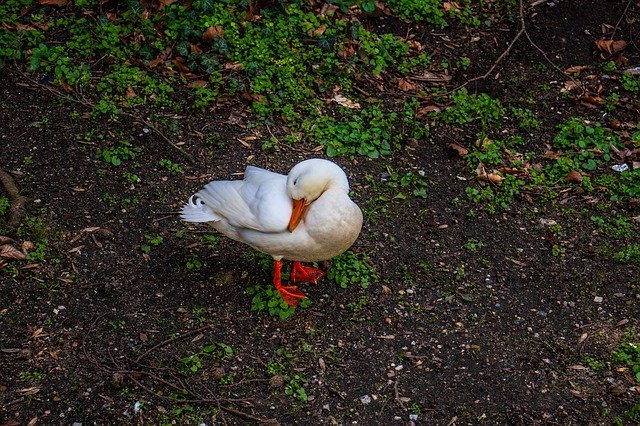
[
  {"x": 169, "y": 340},
  {"x": 613, "y": 33},
  {"x": 397, "y": 394},
  {"x": 523, "y": 30}
]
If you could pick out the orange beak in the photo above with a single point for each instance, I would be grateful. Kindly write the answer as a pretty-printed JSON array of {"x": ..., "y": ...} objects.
[{"x": 299, "y": 206}]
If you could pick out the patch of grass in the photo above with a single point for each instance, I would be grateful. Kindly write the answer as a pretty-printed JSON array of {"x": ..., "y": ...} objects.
[
  {"x": 588, "y": 146},
  {"x": 628, "y": 254},
  {"x": 151, "y": 241},
  {"x": 594, "y": 363},
  {"x": 473, "y": 245},
  {"x": 350, "y": 268},
  {"x": 31, "y": 376},
  {"x": 174, "y": 168},
  {"x": 369, "y": 132},
  {"x": 293, "y": 383},
  {"x": 468, "y": 108},
  {"x": 38, "y": 232},
  {"x": 630, "y": 83},
  {"x": 267, "y": 299},
  {"x": 115, "y": 155},
  {"x": 628, "y": 354}
]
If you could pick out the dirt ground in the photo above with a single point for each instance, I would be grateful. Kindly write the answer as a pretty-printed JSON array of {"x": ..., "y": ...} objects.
[{"x": 446, "y": 336}]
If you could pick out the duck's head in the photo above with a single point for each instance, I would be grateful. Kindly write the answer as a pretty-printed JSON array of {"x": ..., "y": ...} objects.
[{"x": 307, "y": 181}]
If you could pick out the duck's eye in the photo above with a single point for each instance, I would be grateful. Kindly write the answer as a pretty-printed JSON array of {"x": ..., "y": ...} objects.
[{"x": 295, "y": 181}]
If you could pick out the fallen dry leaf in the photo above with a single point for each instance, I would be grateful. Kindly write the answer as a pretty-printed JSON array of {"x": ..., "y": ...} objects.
[
  {"x": 130, "y": 93},
  {"x": 5, "y": 240},
  {"x": 488, "y": 177},
  {"x": 462, "y": 151},
  {"x": 405, "y": 85},
  {"x": 450, "y": 5},
  {"x": 610, "y": 47},
  {"x": 574, "y": 176},
  {"x": 575, "y": 69},
  {"x": 319, "y": 31},
  {"x": 342, "y": 100},
  {"x": 211, "y": 32},
  {"x": 9, "y": 252},
  {"x": 53, "y": 2},
  {"x": 29, "y": 391},
  {"x": 27, "y": 246}
]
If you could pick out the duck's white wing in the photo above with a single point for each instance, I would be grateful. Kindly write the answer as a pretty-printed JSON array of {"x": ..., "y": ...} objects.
[{"x": 257, "y": 202}]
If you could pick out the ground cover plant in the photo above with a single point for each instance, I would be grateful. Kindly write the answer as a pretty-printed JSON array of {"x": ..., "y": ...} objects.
[{"x": 494, "y": 148}]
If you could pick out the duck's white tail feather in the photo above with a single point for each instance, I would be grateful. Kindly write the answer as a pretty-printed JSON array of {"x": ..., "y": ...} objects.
[{"x": 197, "y": 211}]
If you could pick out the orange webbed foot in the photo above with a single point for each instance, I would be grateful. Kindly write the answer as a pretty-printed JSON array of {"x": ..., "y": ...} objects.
[
  {"x": 305, "y": 274},
  {"x": 290, "y": 293}
]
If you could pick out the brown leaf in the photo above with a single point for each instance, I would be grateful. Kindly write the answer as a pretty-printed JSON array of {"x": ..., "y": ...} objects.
[
  {"x": 574, "y": 176},
  {"x": 405, "y": 85},
  {"x": 427, "y": 109},
  {"x": 610, "y": 47},
  {"x": 27, "y": 246},
  {"x": 449, "y": 5},
  {"x": 9, "y": 252},
  {"x": 342, "y": 100},
  {"x": 319, "y": 31},
  {"x": 198, "y": 83},
  {"x": 164, "y": 3},
  {"x": 462, "y": 151},
  {"x": 575, "y": 69},
  {"x": 212, "y": 32},
  {"x": 552, "y": 155},
  {"x": 53, "y": 2},
  {"x": 5, "y": 240},
  {"x": 29, "y": 391},
  {"x": 130, "y": 93},
  {"x": 487, "y": 177}
]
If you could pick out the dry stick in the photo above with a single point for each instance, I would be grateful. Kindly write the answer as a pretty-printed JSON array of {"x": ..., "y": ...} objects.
[
  {"x": 613, "y": 33},
  {"x": 495, "y": 64},
  {"x": 523, "y": 30},
  {"x": 90, "y": 104},
  {"x": 17, "y": 201},
  {"x": 169, "y": 340},
  {"x": 397, "y": 394}
]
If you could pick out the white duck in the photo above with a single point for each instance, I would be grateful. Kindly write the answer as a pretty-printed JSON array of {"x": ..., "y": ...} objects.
[{"x": 305, "y": 216}]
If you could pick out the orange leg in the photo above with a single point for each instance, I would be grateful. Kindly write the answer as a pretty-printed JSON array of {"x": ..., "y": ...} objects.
[
  {"x": 290, "y": 293},
  {"x": 305, "y": 274}
]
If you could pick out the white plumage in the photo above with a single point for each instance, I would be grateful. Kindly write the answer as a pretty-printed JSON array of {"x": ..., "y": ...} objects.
[{"x": 304, "y": 216}]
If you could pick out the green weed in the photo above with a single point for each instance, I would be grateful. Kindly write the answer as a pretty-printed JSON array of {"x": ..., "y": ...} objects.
[
  {"x": 31, "y": 376},
  {"x": 628, "y": 254},
  {"x": 473, "y": 245},
  {"x": 628, "y": 354},
  {"x": 115, "y": 155},
  {"x": 588, "y": 146},
  {"x": 350, "y": 268},
  {"x": 267, "y": 299},
  {"x": 174, "y": 168},
  {"x": 151, "y": 241},
  {"x": 193, "y": 363}
]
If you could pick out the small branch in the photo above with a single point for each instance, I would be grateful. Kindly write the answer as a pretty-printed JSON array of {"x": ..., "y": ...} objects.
[
  {"x": 170, "y": 340},
  {"x": 17, "y": 201},
  {"x": 397, "y": 394},
  {"x": 523, "y": 30}
]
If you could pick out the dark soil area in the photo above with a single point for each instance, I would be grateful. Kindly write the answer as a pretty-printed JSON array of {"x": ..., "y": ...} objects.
[{"x": 450, "y": 334}]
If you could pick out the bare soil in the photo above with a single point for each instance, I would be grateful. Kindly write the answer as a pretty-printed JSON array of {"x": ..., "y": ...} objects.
[{"x": 498, "y": 336}]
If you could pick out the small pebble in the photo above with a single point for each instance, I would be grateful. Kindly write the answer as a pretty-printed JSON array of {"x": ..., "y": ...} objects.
[
  {"x": 365, "y": 399},
  {"x": 598, "y": 299}
]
